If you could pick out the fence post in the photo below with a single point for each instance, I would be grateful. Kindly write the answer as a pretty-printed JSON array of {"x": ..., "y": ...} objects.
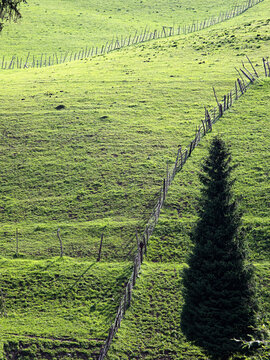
[
  {"x": 267, "y": 63},
  {"x": 164, "y": 189},
  {"x": 12, "y": 62},
  {"x": 177, "y": 159},
  {"x": 255, "y": 72},
  {"x": 190, "y": 147},
  {"x": 251, "y": 79},
  {"x": 215, "y": 96},
  {"x": 236, "y": 95},
  {"x": 220, "y": 110},
  {"x": 204, "y": 131},
  {"x": 264, "y": 65},
  {"x": 128, "y": 295},
  {"x": 141, "y": 243},
  {"x": 240, "y": 86}
]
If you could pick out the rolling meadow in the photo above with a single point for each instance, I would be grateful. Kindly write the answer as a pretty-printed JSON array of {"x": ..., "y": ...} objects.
[{"x": 84, "y": 149}]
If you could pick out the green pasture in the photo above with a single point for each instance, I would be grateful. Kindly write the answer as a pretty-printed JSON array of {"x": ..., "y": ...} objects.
[
  {"x": 59, "y": 299},
  {"x": 96, "y": 165},
  {"x": 84, "y": 147},
  {"x": 151, "y": 328},
  {"x": 245, "y": 127},
  {"x": 50, "y": 26}
]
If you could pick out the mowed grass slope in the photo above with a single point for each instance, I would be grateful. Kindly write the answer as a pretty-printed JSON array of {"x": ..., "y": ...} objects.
[
  {"x": 50, "y": 26},
  {"x": 151, "y": 328},
  {"x": 245, "y": 128},
  {"x": 96, "y": 165},
  {"x": 60, "y": 300}
]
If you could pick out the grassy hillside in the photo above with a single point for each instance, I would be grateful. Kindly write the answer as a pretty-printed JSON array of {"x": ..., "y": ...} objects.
[
  {"x": 84, "y": 147},
  {"x": 246, "y": 129},
  {"x": 59, "y": 299},
  {"x": 50, "y": 26},
  {"x": 151, "y": 329},
  {"x": 95, "y": 165}
]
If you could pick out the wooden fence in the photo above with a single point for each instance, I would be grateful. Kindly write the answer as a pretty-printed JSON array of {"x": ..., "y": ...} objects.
[
  {"x": 32, "y": 61},
  {"x": 242, "y": 83}
]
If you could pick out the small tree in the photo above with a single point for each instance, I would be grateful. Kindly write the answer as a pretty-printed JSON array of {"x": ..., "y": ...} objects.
[
  {"x": 9, "y": 10},
  {"x": 219, "y": 296}
]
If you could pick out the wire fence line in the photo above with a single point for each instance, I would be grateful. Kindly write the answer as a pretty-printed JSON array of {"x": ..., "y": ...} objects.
[
  {"x": 242, "y": 83},
  {"x": 44, "y": 60}
]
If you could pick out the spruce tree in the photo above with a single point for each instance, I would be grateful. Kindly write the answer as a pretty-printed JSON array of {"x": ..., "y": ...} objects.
[{"x": 219, "y": 297}]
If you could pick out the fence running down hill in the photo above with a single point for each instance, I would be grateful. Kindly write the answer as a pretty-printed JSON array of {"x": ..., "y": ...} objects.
[
  {"x": 246, "y": 78},
  {"x": 32, "y": 61}
]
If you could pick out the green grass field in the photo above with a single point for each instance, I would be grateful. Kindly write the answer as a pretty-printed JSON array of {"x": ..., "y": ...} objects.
[
  {"x": 51, "y": 300},
  {"x": 50, "y": 26},
  {"x": 246, "y": 121},
  {"x": 96, "y": 166},
  {"x": 151, "y": 329}
]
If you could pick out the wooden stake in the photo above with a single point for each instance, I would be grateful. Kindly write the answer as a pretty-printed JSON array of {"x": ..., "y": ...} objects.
[
  {"x": 240, "y": 75},
  {"x": 164, "y": 189},
  {"x": 128, "y": 295},
  {"x": 190, "y": 148},
  {"x": 209, "y": 119},
  {"x": 138, "y": 246},
  {"x": 220, "y": 110},
  {"x": 224, "y": 102},
  {"x": 264, "y": 65},
  {"x": 252, "y": 66},
  {"x": 177, "y": 158},
  {"x": 215, "y": 96},
  {"x": 247, "y": 71},
  {"x": 145, "y": 244},
  {"x": 249, "y": 78},
  {"x": 181, "y": 156},
  {"x": 134, "y": 37},
  {"x": 163, "y": 30},
  {"x": 240, "y": 86},
  {"x": 267, "y": 63}
]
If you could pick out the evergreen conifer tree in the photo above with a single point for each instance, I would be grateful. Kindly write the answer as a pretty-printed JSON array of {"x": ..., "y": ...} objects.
[
  {"x": 219, "y": 296},
  {"x": 9, "y": 10}
]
